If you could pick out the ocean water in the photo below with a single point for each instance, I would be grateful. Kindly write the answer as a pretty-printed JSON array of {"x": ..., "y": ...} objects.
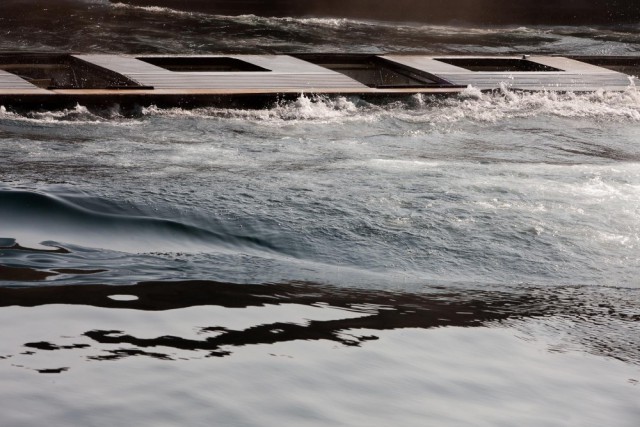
[{"x": 324, "y": 261}]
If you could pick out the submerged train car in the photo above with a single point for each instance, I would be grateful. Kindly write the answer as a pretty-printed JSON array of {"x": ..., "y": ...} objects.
[{"x": 39, "y": 80}]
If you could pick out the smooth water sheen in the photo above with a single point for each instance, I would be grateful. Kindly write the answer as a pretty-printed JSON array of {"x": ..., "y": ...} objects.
[{"x": 326, "y": 261}]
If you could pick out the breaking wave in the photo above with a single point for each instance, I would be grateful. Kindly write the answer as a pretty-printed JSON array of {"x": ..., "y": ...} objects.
[
  {"x": 79, "y": 115},
  {"x": 471, "y": 105}
]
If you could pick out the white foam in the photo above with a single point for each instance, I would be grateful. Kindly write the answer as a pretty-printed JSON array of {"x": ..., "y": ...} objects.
[
  {"x": 79, "y": 115},
  {"x": 304, "y": 108},
  {"x": 152, "y": 9},
  {"x": 471, "y": 105},
  {"x": 507, "y": 104}
]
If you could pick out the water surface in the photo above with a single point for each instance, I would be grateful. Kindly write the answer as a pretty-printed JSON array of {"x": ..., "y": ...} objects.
[{"x": 323, "y": 261}]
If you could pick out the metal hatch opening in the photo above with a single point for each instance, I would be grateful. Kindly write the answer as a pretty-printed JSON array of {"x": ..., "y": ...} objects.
[
  {"x": 201, "y": 64},
  {"x": 497, "y": 64},
  {"x": 374, "y": 71},
  {"x": 59, "y": 71}
]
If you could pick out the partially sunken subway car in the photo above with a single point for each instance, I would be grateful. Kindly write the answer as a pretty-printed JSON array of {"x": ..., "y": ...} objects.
[{"x": 46, "y": 81}]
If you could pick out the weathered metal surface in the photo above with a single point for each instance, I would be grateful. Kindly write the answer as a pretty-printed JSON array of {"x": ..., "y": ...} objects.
[
  {"x": 571, "y": 74},
  {"x": 286, "y": 72},
  {"x": 131, "y": 80},
  {"x": 12, "y": 82}
]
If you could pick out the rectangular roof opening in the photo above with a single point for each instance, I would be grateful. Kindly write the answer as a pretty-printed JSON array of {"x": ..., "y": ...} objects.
[
  {"x": 61, "y": 71},
  {"x": 497, "y": 64},
  {"x": 374, "y": 71},
  {"x": 183, "y": 64}
]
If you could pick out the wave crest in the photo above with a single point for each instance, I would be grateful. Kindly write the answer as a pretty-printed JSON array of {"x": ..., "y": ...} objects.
[
  {"x": 31, "y": 218},
  {"x": 471, "y": 105}
]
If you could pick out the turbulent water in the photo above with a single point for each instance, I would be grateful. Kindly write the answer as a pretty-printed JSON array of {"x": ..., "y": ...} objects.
[{"x": 325, "y": 261}]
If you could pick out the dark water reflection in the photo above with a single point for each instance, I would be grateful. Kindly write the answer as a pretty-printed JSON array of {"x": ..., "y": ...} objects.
[{"x": 357, "y": 315}]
